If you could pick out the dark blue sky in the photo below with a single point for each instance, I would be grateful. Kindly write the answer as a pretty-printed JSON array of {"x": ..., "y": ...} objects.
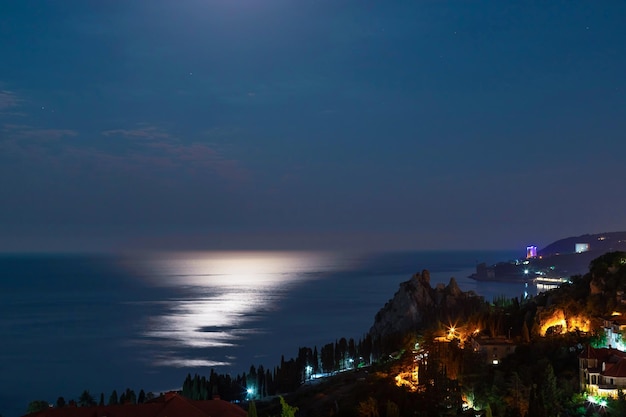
[{"x": 292, "y": 124}]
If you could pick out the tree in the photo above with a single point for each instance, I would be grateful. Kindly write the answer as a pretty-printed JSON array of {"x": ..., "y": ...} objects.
[
  {"x": 252, "y": 409},
  {"x": 368, "y": 408},
  {"x": 535, "y": 409},
  {"x": 141, "y": 398},
  {"x": 618, "y": 405},
  {"x": 37, "y": 405},
  {"x": 392, "y": 409},
  {"x": 260, "y": 382},
  {"x": 60, "y": 402},
  {"x": 548, "y": 394},
  {"x": 517, "y": 394},
  {"x": 113, "y": 398},
  {"x": 286, "y": 410},
  {"x": 352, "y": 349},
  {"x": 525, "y": 333},
  {"x": 251, "y": 382},
  {"x": 101, "y": 403},
  {"x": 328, "y": 357},
  {"x": 316, "y": 362},
  {"x": 341, "y": 353},
  {"x": 86, "y": 400},
  {"x": 130, "y": 396}
]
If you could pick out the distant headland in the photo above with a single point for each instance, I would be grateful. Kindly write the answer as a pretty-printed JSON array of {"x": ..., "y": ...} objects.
[{"x": 556, "y": 262}]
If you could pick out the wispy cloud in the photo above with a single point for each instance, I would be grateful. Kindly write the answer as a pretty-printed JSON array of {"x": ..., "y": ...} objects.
[
  {"x": 16, "y": 132},
  {"x": 8, "y": 100},
  {"x": 145, "y": 132},
  {"x": 156, "y": 147},
  {"x": 142, "y": 152},
  {"x": 11, "y": 104}
]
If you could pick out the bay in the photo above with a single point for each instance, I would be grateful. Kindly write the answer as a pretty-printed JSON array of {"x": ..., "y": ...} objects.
[{"x": 103, "y": 322}]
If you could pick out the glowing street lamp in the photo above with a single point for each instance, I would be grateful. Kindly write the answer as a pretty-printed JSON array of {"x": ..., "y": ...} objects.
[{"x": 451, "y": 332}]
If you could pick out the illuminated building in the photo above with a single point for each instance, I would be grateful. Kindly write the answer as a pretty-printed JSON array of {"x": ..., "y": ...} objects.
[
  {"x": 582, "y": 247},
  {"x": 493, "y": 349},
  {"x": 602, "y": 371},
  {"x": 531, "y": 252}
]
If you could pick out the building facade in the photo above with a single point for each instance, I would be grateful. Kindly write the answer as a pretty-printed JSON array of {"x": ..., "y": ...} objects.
[{"x": 602, "y": 371}]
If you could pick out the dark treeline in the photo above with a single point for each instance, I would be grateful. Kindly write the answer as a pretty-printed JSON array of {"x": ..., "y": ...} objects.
[
  {"x": 260, "y": 382},
  {"x": 86, "y": 399}
]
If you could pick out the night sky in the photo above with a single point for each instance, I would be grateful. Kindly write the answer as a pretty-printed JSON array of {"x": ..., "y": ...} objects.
[{"x": 267, "y": 124}]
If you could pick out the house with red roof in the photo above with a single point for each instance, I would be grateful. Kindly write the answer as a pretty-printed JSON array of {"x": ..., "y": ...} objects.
[
  {"x": 602, "y": 371},
  {"x": 170, "y": 404}
]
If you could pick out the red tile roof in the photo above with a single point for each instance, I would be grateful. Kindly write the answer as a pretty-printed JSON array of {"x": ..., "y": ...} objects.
[
  {"x": 602, "y": 354},
  {"x": 617, "y": 370},
  {"x": 168, "y": 405}
]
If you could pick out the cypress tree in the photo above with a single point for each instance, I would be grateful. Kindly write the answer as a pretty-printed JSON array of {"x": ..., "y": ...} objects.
[
  {"x": 260, "y": 382},
  {"x": 269, "y": 383},
  {"x": 131, "y": 397},
  {"x": 548, "y": 394},
  {"x": 86, "y": 400},
  {"x": 316, "y": 361},
  {"x": 195, "y": 388},
  {"x": 187, "y": 386},
  {"x": 113, "y": 398}
]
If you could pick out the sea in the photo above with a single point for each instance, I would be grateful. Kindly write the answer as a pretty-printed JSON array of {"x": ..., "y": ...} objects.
[{"x": 75, "y": 322}]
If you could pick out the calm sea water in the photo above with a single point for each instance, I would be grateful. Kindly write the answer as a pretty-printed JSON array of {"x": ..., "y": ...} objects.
[{"x": 70, "y": 323}]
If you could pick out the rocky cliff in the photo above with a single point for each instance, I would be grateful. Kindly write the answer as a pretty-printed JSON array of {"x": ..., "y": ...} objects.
[{"x": 417, "y": 305}]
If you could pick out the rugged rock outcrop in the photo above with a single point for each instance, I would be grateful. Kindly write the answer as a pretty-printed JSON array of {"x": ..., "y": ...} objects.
[
  {"x": 558, "y": 320},
  {"x": 417, "y": 305}
]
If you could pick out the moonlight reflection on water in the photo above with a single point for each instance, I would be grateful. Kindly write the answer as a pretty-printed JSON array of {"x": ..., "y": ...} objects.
[{"x": 217, "y": 296}]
